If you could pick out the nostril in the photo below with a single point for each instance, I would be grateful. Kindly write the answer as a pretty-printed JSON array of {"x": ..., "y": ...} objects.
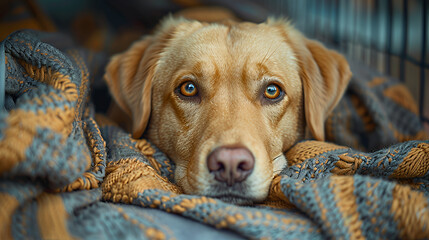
[
  {"x": 220, "y": 167},
  {"x": 214, "y": 164},
  {"x": 245, "y": 165},
  {"x": 242, "y": 166}
]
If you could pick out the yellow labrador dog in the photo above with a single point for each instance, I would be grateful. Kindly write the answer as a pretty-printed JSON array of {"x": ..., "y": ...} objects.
[{"x": 225, "y": 100}]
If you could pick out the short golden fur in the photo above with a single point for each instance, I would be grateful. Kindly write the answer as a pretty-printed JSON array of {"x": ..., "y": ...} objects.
[{"x": 230, "y": 63}]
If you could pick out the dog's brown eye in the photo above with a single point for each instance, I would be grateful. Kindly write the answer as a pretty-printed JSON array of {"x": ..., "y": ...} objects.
[
  {"x": 272, "y": 91},
  {"x": 188, "y": 89}
]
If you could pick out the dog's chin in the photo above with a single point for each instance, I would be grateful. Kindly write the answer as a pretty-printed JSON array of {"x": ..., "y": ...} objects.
[
  {"x": 237, "y": 200},
  {"x": 237, "y": 194}
]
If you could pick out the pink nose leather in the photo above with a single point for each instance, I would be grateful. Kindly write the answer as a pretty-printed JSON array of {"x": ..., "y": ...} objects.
[{"x": 230, "y": 164}]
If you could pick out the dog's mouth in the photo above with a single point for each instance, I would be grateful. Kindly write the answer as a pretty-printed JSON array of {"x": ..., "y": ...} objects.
[
  {"x": 234, "y": 199},
  {"x": 237, "y": 194}
]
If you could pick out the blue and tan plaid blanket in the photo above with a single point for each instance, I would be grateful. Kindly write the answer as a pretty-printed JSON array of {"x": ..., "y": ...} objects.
[{"x": 67, "y": 172}]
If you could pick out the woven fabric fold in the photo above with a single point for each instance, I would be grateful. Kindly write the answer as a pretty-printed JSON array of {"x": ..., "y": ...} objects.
[{"x": 66, "y": 172}]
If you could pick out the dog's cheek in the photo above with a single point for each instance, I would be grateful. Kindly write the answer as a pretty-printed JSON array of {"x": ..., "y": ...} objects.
[
  {"x": 259, "y": 181},
  {"x": 181, "y": 180},
  {"x": 291, "y": 127},
  {"x": 177, "y": 136},
  {"x": 259, "y": 184},
  {"x": 194, "y": 161},
  {"x": 192, "y": 178},
  {"x": 179, "y": 142}
]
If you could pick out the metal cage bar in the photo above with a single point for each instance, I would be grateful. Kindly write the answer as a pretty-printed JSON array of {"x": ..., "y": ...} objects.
[
  {"x": 404, "y": 39},
  {"x": 423, "y": 64},
  {"x": 375, "y": 32},
  {"x": 388, "y": 49}
]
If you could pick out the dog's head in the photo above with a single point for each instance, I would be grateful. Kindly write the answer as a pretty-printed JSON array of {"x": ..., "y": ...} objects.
[{"x": 224, "y": 101}]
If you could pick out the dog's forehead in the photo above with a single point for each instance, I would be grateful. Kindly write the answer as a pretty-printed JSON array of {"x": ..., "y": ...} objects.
[{"x": 236, "y": 44}]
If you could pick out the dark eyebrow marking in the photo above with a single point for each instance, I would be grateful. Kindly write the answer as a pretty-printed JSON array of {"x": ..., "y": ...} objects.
[
  {"x": 217, "y": 75},
  {"x": 197, "y": 70},
  {"x": 244, "y": 75},
  {"x": 262, "y": 70}
]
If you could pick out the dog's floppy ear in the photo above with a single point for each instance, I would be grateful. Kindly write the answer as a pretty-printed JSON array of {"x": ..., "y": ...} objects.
[
  {"x": 325, "y": 75},
  {"x": 129, "y": 77}
]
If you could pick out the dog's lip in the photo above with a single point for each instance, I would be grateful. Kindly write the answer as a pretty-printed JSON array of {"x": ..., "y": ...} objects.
[
  {"x": 233, "y": 198},
  {"x": 227, "y": 195}
]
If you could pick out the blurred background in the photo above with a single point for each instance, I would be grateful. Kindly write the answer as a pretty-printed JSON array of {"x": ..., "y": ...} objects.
[{"x": 390, "y": 36}]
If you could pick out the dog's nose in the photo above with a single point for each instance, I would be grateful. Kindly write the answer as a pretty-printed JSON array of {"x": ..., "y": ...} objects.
[{"x": 230, "y": 164}]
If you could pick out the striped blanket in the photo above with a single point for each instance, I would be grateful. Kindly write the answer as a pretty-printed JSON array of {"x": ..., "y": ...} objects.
[{"x": 67, "y": 172}]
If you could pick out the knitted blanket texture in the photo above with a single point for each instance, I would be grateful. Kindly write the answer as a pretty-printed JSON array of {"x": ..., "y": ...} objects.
[{"x": 67, "y": 172}]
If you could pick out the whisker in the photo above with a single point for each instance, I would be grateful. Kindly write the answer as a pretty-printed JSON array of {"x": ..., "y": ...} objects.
[
  {"x": 279, "y": 157},
  {"x": 266, "y": 57}
]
